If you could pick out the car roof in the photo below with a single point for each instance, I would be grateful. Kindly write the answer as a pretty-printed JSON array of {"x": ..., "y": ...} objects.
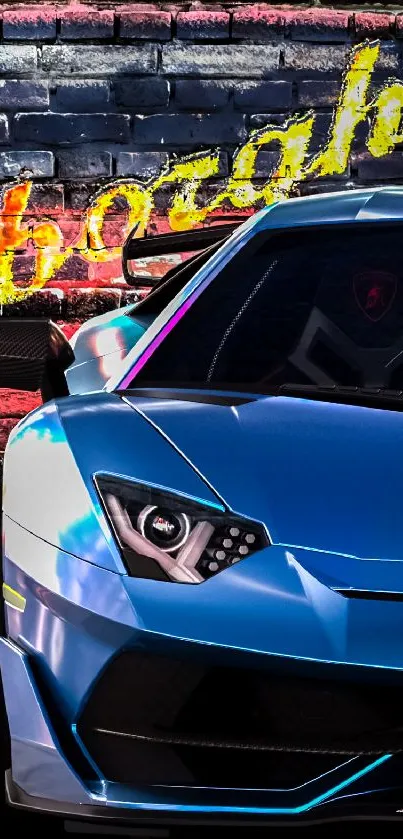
[{"x": 374, "y": 204}]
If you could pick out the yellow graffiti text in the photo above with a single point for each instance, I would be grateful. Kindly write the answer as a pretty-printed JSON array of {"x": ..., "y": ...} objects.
[{"x": 186, "y": 179}]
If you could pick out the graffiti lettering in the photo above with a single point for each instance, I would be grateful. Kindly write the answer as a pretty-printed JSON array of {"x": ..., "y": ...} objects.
[{"x": 186, "y": 210}]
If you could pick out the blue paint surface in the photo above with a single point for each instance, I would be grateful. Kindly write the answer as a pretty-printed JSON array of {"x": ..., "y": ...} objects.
[{"x": 299, "y": 468}]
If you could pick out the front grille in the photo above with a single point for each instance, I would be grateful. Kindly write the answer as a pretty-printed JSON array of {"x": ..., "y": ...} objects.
[{"x": 152, "y": 719}]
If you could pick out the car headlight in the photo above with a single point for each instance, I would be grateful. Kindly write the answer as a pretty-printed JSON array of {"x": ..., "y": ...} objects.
[{"x": 163, "y": 536}]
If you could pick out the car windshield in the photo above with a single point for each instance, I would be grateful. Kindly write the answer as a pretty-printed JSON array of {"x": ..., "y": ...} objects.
[{"x": 319, "y": 306}]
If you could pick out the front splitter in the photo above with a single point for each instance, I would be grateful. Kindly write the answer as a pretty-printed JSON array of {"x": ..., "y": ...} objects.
[{"x": 374, "y": 806}]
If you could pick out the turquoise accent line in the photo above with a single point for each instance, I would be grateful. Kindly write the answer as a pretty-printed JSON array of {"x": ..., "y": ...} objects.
[{"x": 275, "y": 811}]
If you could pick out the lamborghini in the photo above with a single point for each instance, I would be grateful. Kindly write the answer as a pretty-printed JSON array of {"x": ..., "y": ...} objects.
[{"x": 202, "y": 532}]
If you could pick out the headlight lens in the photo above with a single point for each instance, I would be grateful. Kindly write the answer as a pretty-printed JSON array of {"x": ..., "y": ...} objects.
[{"x": 163, "y": 536}]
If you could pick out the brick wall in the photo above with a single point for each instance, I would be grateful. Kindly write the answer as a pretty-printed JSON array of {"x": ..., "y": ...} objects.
[{"x": 93, "y": 95}]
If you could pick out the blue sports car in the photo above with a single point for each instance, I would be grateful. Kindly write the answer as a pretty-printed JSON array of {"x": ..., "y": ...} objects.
[{"x": 202, "y": 533}]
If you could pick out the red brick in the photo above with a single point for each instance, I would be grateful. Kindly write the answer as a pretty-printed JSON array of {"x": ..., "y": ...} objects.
[
  {"x": 72, "y": 229},
  {"x": 113, "y": 231},
  {"x": 14, "y": 404},
  {"x": 256, "y": 23},
  {"x": 5, "y": 427},
  {"x": 373, "y": 23},
  {"x": 69, "y": 328},
  {"x": 324, "y": 25},
  {"x": 106, "y": 274},
  {"x": 84, "y": 23},
  {"x": 29, "y": 23},
  {"x": 148, "y": 25},
  {"x": 201, "y": 25}
]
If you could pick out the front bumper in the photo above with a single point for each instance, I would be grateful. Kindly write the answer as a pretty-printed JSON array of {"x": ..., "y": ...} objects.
[
  {"x": 81, "y": 619},
  {"x": 374, "y": 808},
  {"x": 43, "y": 778}
]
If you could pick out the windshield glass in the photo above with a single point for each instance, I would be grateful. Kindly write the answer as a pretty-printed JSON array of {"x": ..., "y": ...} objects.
[{"x": 316, "y": 306}]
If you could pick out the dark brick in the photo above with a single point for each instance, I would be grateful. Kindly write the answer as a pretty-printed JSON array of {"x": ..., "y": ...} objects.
[
  {"x": 249, "y": 60},
  {"x": 78, "y": 163},
  {"x": 202, "y": 25},
  {"x": 317, "y": 58},
  {"x": 146, "y": 164},
  {"x": 18, "y": 59},
  {"x": 86, "y": 304},
  {"x": 145, "y": 24},
  {"x": 200, "y": 95},
  {"x": 130, "y": 297},
  {"x": 4, "y": 134},
  {"x": 206, "y": 194},
  {"x": 77, "y": 196},
  {"x": 30, "y": 24},
  {"x": 142, "y": 93},
  {"x": 263, "y": 120},
  {"x": 113, "y": 231},
  {"x": 254, "y": 96},
  {"x": 320, "y": 185},
  {"x": 23, "y": 268},
  {"x": 85, "y": 23},
  {"x": 257, "y": 24},
  {"x": 370, "y": 24},
  {"x": 266, "y": 162},
  {"x": 39, "y": 164},
  {"x": 318, "y": 94},
  {"x": 389, "y": 58},
  {"x": 361, "y": 134},
  {"x": 75, "y": 96},
  {"x": 223, "y": 165},
  {"x": 46, "y": 198},
  {"x": 96, "y": 60},
  {"x": 399, "y": 25},
  {"x": 324, "y": 25},
  {"x": 189, "y": 129},
  {"x": 321, "y": 130},
  {"x": 378, "y": 169},
  {"x": 19, "y": 93},
  {"x": 75, "y": 268},
  {"x": 63, "y": 129},
  {"x": 170, "y": 189},
  {"x": 44, "y": 303}
]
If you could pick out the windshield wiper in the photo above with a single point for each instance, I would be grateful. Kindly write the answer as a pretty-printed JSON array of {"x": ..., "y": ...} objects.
[{"x": 368, "y": 397}]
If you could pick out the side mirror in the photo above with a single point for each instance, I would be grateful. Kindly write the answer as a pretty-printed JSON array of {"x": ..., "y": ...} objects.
[{"x": 34, "y": 353}]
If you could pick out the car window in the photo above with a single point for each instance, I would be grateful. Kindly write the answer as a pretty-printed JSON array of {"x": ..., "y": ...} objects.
[{"x": 321, "y": 306}]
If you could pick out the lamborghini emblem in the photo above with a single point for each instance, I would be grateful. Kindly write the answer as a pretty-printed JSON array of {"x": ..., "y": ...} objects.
[{"x": 375, "y": 292}]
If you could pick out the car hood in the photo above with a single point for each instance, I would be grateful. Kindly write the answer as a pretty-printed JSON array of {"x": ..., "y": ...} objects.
[{"x": 323, "y": 476}]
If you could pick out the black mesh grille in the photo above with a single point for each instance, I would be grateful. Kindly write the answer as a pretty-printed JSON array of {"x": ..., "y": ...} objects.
[
  {"x": 156, "y": 720},
  {"x": 23, "y": 352}
]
